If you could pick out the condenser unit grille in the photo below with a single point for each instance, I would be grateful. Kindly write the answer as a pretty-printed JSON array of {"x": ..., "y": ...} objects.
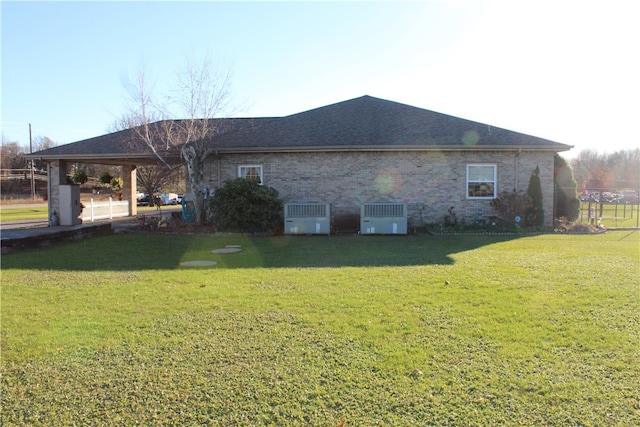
[
  {"x": 383, "y": 218},
  {"x": 307, "y": 218},
  {"x": 384, "y": 210},
  {"x": 306, "y": 210}
]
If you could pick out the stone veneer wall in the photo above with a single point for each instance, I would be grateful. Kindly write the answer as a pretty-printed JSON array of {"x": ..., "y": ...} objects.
[
  {"x": 429, "y": 182},
  {"x": 57, "y": 176}
]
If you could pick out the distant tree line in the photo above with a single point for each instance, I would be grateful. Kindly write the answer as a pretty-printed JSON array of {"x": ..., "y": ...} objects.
[
  {"x": 612, "y": 171},
  {"x": 12, "y": 152}
]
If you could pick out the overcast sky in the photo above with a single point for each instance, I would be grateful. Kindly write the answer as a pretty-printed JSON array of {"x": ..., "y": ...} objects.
[{"x": 567, "y": 71}]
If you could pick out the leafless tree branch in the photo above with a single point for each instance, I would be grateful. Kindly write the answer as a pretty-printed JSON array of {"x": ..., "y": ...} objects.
[{"x": 201, "y": 94}]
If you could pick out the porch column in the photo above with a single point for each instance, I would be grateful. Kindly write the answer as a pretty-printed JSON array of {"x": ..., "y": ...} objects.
[
  {"x": 57, "y": 176},
  {"x": 129, "y": 187}
]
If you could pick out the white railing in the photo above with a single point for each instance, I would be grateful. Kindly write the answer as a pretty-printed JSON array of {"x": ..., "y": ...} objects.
[{"x": 105, "y": 210}]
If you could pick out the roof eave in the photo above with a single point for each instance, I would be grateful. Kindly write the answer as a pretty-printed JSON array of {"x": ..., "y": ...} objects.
[
  {"x": 411, "y": 148},
  {"x": 104, "y": 158}
]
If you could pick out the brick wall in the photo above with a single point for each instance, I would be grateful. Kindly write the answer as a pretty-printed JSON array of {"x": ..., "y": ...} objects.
[{"x": 429, "y": 182}]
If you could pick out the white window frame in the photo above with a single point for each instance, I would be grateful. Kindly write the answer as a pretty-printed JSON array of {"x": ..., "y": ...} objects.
[
  {"x": 243, "y": 174},
  {"x": 494, "y": 182}
]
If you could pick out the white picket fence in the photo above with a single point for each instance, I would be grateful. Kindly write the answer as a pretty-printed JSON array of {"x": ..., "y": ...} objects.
[{"x": 105, "y": 210}]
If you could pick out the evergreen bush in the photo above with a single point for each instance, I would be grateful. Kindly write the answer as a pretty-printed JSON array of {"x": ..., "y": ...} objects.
[
  {"x": 534, "y": 213},
  {"x": 105, "y": 178},
  {"x": 565, "y": 190},
  {"x": 243, "y": 205},
  {"x": 80, "y": 177}
]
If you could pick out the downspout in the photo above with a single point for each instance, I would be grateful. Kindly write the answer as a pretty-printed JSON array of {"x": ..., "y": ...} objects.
[
  {"x": 515, "y": 162},
  {"x": 49, "y": 194},
  {"x": 219, "y": 185}
]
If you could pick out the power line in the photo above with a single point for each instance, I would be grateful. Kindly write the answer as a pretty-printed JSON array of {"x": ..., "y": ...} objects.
[
  {"x": 14, "y": 132},
  {"x": 17, "y": 132},
  {"x": 12, "y": 123}
]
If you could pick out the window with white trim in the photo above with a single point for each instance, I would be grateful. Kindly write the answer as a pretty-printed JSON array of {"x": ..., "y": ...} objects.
[
  {"x": 251, "y": 172},
  {"x": 481, "y": 181}
]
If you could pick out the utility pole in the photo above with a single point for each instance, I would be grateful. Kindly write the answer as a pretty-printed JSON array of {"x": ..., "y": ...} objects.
[{"x": 33, "y": 181}]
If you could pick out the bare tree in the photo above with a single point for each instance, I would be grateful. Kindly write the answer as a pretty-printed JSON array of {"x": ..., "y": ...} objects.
[
  {"x": 614, "y": 170},
  {"x": 11, "y": 155},
  {"x": 42, "y": 143},
  {"x": 201, "y": 93},
  {"x": 587, "y": 169},
  {"x": 152, "y": 178}
]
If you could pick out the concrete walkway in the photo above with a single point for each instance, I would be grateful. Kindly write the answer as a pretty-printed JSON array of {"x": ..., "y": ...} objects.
[
  {"x": 24, "y": 234},
  {"x": 36, "y": 233}
]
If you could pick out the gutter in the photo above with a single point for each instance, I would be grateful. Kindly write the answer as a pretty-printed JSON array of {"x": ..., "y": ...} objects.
[
  {"x": 93, "y": 158},
  {"x": 149, "y": 157},
  {"x": 395, "y": 148}
]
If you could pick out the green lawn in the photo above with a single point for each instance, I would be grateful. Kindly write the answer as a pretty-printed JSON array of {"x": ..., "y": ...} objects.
[
  {"x": 611, "y": 215},
  {"x": 23, "y": 213},
  {"x": 9, "y": 213},
  {"x": 404, "y": 330}
]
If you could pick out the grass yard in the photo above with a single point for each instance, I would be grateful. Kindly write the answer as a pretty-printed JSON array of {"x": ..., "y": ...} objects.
[
  {"x": 324, "y": 331},
  {"x": 611, "y": 215},
  {"x": 23, "y": 213},
  {"x": 8, "y": 213}
]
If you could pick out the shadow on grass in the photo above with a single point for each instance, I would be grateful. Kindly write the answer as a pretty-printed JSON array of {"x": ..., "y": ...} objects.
[{"x": 137, "y": 252}]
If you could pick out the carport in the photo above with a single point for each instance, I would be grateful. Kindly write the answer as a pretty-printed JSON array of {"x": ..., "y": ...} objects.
[{"x": 124, "y": 148}]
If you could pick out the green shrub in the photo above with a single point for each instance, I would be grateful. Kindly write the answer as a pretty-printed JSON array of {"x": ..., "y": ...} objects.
[
  {"x": 534, "y": 212},
  {"x": 567, "y": 203},
  {"x": 80, "y": 177},
  {"x": 105, "y": 178},
  {"x": 243, "y": 205},
  {"x": 116, "y": 183},
  {"x": 510, "y": 204}
]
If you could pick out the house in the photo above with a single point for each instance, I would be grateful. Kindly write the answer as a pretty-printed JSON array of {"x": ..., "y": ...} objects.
[{"x": 349, "y": 153}]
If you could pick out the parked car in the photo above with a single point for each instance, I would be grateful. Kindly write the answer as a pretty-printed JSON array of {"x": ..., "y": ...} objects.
[
  {"x": 630, "y": 197},
  {"x": 142, "y": 200},
  {"x": 169, "y": 198},
  {"x": 590, "y": 196},
  {"x": 611, "y": 197}
]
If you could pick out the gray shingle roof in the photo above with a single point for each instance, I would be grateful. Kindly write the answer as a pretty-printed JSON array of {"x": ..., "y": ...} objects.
[
  {"x": 370, "y": 123},
  {"x": 364, "y": 123}
]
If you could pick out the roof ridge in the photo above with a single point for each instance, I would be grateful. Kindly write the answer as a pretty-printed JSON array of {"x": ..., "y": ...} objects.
[{"x": 357, "y": 123}]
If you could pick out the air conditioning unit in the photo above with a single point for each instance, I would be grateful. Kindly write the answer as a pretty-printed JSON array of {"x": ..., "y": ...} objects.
[
  {"x": 383, "y": 218},
  {"x": 307, "y": 218}
]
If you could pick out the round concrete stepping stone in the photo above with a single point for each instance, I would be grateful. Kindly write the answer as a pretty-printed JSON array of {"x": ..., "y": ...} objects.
[
  {"x": 201, "y": 263},
  {"x": 226, "y": 250},
  {"x": 233, "y": 246}
]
